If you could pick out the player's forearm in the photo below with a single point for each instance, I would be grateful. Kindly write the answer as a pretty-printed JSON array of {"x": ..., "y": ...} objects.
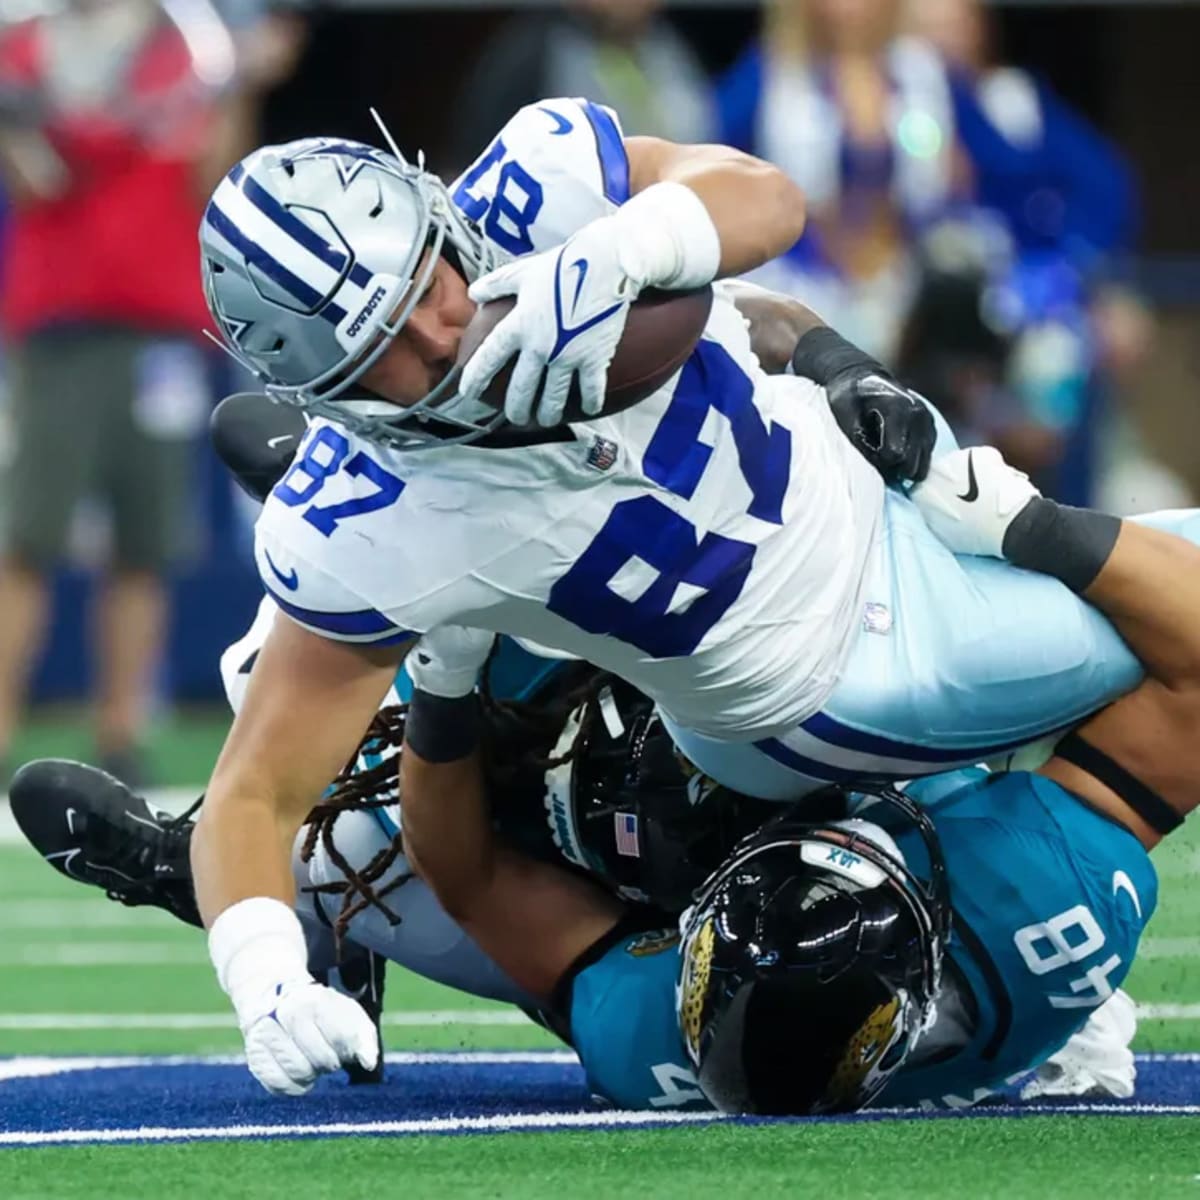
[
  {"x": 777, "y": 323},
  {"x": 532, "y": 919},
  {"x": 1148, "y": 588},
  {"x": 758, "y": 212},
  {"x": 447, "y": 827},
  {"x": 240, "y": 849},
  {"x": 1145, "y": 581}
]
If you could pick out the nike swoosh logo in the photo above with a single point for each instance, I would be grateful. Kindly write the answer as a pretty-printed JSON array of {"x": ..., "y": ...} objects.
[
  {"x": 561, "y": 124},
  {"x": 567, "y": 334},
  {"x": 68, "y": 857},
  {"x": 290, "y": 581},
  {"x": 580, "y": 265},
  {"x": 972, "y": 492},
  {"x": 1122, "y": 883},
  {"x": 278, "y": 441}
]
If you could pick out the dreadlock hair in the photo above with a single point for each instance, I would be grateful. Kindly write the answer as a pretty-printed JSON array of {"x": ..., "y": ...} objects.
[{"x": 518, "y": 738}]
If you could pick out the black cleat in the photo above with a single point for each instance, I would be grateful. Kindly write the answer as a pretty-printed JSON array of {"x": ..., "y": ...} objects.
[
  {"x": 360, "y": 976},
  {"x": 90, "y": 827}
]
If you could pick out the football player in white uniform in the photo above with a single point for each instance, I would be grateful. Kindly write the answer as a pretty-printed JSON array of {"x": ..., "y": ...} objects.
[{"x": 720, "y": 545}]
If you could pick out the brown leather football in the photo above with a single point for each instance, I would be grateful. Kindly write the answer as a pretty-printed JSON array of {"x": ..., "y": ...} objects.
[{"x": 660, "y": 333}]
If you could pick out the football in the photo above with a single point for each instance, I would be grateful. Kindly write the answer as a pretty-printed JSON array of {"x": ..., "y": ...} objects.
[{"x": 660, "y": 333}]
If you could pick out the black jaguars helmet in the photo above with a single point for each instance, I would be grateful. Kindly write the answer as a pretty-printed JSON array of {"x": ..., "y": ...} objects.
[
  {"x": 628, "y": 808},
  {"x": 810, "y": 963}
]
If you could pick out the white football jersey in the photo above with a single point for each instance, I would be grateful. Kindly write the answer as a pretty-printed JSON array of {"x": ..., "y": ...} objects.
[{"x": 708, "y": 544}]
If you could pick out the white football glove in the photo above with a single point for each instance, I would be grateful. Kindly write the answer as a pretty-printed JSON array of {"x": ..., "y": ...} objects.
[
  {"x": 300, "y": 1029},
  {"x": 294, "y": 1028},
  {"x": 1096, "y": 1061},
  {"x": 572, "y": 302},
  {"x": 446, "y": 661},
  {"x": 970, "y": 497}
]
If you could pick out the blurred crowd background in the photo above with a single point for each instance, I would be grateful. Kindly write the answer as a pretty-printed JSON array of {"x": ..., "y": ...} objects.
[{"x": 1002, "y": 208}]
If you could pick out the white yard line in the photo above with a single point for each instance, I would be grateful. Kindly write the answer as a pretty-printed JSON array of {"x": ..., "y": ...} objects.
[
  {"x": 483, "y": 1017},
  {"x": 90, "y": 911},
  {"x": 421, "y": 1020},
  {"x": 172, "y": 800},
  {"x": 105, "y": 954},
  {"x": 43, "y": 1065},
  {"x": 1169, "y": 947},
  {"x": 496, "y": 1124},
  {"x": 1169, "y": 1012},
  {"x": 96, "y": 913}
]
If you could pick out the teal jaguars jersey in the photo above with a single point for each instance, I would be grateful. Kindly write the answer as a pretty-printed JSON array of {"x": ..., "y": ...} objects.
[
  {"x": 623, "y": 1027},
  {"x": 1050, "y": 900}
]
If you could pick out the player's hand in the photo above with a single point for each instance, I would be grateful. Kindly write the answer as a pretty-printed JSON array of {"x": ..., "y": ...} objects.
[
  {"x": 298, "y": 1030},
  {"x": 570, "y": 313},
  {"x": 888, "y": 425},
  {"x": 971, "y": 497},
  {"x": 446, "y": 661}
]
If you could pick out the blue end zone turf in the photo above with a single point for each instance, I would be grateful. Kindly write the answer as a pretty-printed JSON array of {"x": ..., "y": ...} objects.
[{"x": 50, "y": 1100}]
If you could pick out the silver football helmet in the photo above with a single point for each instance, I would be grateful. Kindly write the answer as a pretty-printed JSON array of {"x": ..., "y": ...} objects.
[{"x": 313, "y": 256}]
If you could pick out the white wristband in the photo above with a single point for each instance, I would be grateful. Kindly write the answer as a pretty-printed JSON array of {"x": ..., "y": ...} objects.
[
  {"x": 256, "y": 944},
  {"x": 666, "y": 238}
]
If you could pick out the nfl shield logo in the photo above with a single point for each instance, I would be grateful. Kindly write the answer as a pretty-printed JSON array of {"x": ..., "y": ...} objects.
[
  {"x": 877, "y": 618},
  {"x": 602, "y": 454},
  {"x": 627, "y": 835}
]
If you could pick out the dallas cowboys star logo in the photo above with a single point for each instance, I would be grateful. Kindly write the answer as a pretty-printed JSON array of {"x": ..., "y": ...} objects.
[{"x": 339, "y": 153}]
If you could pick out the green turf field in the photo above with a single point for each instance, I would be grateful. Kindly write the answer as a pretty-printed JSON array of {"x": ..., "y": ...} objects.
[
  {"x": 180, "y": 749},
  {"x": 84, "y": 976},
  {"x": 1047, "y": 1158}
]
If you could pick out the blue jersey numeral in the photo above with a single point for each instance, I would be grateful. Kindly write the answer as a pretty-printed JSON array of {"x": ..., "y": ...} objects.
[
  {"x": 647, "y": 530},
  {"x": 514, "y": 208},
  {"x": 323, "y": 457},
  {"x": 676, "y": 457}
]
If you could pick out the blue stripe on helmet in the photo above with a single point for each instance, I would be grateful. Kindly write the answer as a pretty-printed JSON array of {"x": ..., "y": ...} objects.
[
  {"x": 614, "y": 162},
  {"x": 301, "y": 233},
  {"x": 846, "y": 737},
  {"x": 269, "y": 266}
]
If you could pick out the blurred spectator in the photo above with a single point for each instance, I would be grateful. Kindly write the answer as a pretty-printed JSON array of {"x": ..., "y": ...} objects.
[
  {"x": 863, "y": 121},
  {"x": 269, "y": 37},
  {"x": 118, "y": 116},
  {"x": 1002, "y": 347},
  {"x": 1062, "y": 188},
  {"x": 1060, "y": 185},
  {"x": 1070, "y": 204},
  {"x": 622, "y": 53}
]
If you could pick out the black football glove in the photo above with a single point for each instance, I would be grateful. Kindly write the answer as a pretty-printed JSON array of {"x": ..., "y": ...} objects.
[{"x": 886, "y": 423}]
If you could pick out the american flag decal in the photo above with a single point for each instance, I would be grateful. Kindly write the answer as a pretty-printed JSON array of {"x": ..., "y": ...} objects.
[{"x": 627, "y": 835}]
